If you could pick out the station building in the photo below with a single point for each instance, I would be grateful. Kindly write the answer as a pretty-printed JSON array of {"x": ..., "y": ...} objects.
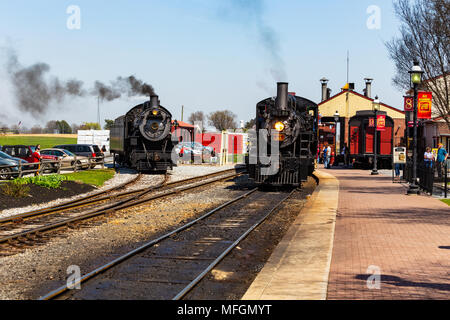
[{"x": 345, "y": 104}]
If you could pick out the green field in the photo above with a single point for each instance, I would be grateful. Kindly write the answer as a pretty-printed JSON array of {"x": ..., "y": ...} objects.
[
  {"x": 447, "y": 201},
  {"x": 92, "y": 177},
  {"x": 45, "y": 142}
]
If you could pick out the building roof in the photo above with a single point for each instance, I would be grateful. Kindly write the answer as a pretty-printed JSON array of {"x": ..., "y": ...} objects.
[
  {"x": 362, "y": 96},
  {"x": 183, "y": 124}
]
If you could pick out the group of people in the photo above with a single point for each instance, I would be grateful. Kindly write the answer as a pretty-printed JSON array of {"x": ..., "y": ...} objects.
[
  {"x": 327, "y": 154},
  {"x": 429, "y": 158},
  {"x": 439, "y": 159}
]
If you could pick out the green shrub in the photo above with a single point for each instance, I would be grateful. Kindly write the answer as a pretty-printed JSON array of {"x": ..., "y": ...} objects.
[
  {"x": 51, "y": 182},
  {"x": 15, "y": 189}
]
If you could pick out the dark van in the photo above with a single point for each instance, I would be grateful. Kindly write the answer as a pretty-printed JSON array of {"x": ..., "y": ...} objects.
[{"x": 91, "y": 151}]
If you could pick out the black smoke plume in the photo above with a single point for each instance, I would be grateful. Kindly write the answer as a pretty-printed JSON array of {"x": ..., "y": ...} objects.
[
  {"x": 122, "y": 85},
  {"x": 34, "y": 90},
  {"x": 135, "y": 87},
  {"x": 252, "y": 12},
  {"x": 105, "y": 92}
]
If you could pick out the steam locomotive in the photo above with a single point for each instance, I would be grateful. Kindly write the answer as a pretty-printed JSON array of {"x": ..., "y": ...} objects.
[
  {"x": 142, "y": 139},
  {"x": 285, "y": 140}
]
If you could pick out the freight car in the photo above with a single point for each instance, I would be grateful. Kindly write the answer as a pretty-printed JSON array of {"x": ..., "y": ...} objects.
[
  {"x": 361, "y": 138},
  {"x": 291, "y": 122},
  {"x": 141, "y": 139}
]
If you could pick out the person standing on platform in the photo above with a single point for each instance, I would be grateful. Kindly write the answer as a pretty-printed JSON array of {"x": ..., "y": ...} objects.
[
  {"x": 440, "y": 159},
  {"x": 324, "y": 156},
  {"x": 328, "y": 156},
  {"x": 428, "y": 158}
]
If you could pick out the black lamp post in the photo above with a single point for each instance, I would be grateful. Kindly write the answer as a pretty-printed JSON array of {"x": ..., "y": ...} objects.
[
  {"x": 375, "y": 108},
  {"x": 416, "y": 78}
]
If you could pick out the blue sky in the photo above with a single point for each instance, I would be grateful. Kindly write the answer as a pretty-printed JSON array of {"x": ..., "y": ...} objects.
[{"x": 204, "y": 54}]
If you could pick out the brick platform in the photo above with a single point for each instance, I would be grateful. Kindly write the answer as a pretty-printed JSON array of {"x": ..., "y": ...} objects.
[{"x": 406, "y": 237}]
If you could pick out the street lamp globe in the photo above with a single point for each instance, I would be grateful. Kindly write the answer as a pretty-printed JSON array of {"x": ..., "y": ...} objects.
[
  {"x": 416, "y": 73},
  {"x": 376, "y": 104},
  {"x": 336, "y": 116}
]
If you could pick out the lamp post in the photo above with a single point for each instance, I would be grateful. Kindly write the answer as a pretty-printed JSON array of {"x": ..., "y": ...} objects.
[
  {"x": 375, "y": 108},
  {"x": 336, "y": 120},
  {"x": 416, "y": 78}
]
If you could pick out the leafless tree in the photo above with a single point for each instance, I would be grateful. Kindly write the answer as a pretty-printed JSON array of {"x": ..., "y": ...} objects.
[
  {"x": 75, "y": 127},
  {"x": 424, "y": 37},
  {"x": 250, "y": 124},
  {"x": 222, "y": 120},
  {"x": 198, "y": 116},
  {"x": 51, "y": 127},
  {"x": 37, "y": 129}
]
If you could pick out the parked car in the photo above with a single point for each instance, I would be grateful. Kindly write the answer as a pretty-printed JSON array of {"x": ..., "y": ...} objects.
[
  {"x": 67, "y": 158},
  {"x": 194, "y": 148},
  {"x": 7, "y": 156},
  {"x": 90, "y": 151},
  {"x": 26, "y": 153},
  {"x": 187, "y": 148},
  {"x": 8, "y": 166}
]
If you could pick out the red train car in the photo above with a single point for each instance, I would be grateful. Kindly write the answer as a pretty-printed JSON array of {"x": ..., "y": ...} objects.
[{"x": 361, "y": 138}]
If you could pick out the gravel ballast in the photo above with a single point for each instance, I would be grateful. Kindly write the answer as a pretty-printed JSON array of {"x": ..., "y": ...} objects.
[
  {"x": 39, "y": 269},
  {"x": 123, "y": 176}
]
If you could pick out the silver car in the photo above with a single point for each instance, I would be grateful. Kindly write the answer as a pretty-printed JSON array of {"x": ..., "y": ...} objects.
[{"x": 67, "y": 158}]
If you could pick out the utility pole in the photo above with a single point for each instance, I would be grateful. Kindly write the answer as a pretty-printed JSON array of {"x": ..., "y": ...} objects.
[
  {"x": 98, "y": 110},
  {"x": 182, "y": 112}
]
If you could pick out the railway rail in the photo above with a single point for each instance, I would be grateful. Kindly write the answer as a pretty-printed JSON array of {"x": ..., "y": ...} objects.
[
  {"x": 30, "y": 226},
  {"x": 173, "y": 264}
]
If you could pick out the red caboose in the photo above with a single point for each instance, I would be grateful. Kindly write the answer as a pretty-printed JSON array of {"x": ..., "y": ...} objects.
[{"x": 361, "y": 138}]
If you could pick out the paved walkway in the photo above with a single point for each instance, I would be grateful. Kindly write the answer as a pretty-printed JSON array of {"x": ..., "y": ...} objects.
[
  {"x": 379, "y": 229},
  {"x": 387, "y": 245},
  {"x": 299, "y": 266}
]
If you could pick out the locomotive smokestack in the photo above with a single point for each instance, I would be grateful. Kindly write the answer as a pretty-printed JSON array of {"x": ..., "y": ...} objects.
[
  {"x": 325, "y": 92},
  {"x": 368, "y": 90},
  {"x": 154, "y": 101},
  {"x": 282, "y": 96}
]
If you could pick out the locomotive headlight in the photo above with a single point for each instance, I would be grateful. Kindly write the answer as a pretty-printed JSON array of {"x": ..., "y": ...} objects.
[
  {"x": 155, "y": 112},
  {"x": 279, "y": 126}
]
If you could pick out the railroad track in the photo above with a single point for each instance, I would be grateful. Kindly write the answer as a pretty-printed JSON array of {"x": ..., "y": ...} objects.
[
  {"x": 30, "y": 227},
  {"x": 172, "y": 265},
  {"x": 92, "y": 198}
]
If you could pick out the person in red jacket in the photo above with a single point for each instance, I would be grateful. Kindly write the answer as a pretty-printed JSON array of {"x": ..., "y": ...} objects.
[{"x": 37, "y": 158}]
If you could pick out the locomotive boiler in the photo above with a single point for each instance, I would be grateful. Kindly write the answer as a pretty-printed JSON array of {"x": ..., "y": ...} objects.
[
  {"x": 141, "y": 139},
  {"x": 285, "y": 139}
]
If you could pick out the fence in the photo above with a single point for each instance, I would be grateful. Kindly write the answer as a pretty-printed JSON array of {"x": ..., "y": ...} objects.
[
  {"x": 432, "y": 178},
  {"x": 56, "y": 166}
]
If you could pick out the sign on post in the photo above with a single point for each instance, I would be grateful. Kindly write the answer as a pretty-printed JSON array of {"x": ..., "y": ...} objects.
[
  {"x": 409, "y": 104},
  {"x": 399, "y": 155},
  {"x": 381, "y": 122},
  {"x": 424, "y": 105}
]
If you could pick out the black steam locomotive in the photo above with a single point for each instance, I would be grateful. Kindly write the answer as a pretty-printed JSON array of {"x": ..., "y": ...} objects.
[
  {"x": 285, "y": 140},
  {"x": 142, "y": 139}
]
